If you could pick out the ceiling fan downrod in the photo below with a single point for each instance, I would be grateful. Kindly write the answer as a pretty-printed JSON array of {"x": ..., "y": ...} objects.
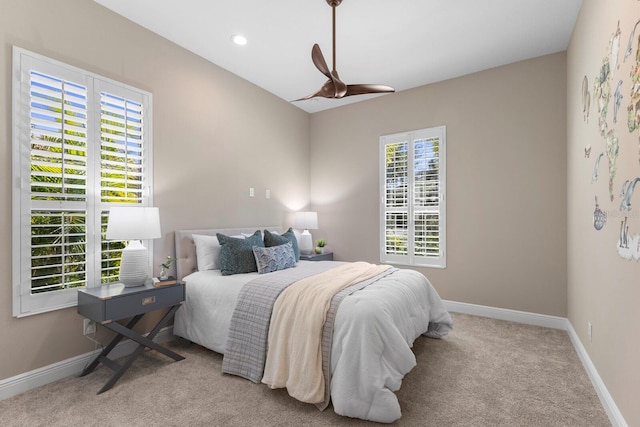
[{"x": 334, "y": 4}]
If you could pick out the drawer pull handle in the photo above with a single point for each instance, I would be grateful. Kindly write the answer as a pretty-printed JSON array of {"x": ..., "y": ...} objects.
[{"x": 148, "y": 300}]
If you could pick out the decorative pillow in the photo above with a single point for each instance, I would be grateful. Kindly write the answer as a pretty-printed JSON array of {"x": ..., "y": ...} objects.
[
  {"x": 274, "y": 258},
  {"x": 236, "y": 255},
  {"x": 207, "y": 251},
  {"x": 273, "y": 239}
]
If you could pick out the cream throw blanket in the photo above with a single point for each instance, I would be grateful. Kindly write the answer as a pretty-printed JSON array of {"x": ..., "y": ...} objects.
[{"x": 294, "y": 356}]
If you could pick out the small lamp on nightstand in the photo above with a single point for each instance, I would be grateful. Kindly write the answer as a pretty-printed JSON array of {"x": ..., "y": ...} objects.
[
  {"x": 134, "y": 223},
  {"x": 306, "y": 221}
]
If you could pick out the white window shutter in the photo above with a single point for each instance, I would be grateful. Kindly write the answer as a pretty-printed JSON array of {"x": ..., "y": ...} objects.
[
  {"x": 413, "y": 230},
  {"x": 81, "y": 144}
]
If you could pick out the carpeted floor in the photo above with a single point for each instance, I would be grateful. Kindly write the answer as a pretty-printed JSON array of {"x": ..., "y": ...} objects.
[{"x": 486, "y": 373}]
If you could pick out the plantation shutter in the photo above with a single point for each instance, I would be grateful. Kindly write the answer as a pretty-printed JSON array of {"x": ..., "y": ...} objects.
[
  {"x": 121, "y": 144},
  {"x": 58, "y": 157},
  {"x": 412, "y": 202},
  {"x": 124, "y": 170},
  {"x": 81, "y": 144}
]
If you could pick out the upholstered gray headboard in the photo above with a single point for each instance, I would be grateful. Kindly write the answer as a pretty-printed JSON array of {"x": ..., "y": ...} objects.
[{"x": 186, "y": 248}]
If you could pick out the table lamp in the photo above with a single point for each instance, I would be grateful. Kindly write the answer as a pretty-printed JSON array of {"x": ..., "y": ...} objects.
[
  {"x": 134, "y": 223},
  {"x": 306, "y": 221}
]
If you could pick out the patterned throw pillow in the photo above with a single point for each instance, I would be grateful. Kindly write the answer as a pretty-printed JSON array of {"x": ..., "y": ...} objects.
[
  {"x": 274, "y": 258},
  {"x": 271, "y": 239},
  {"x": 236, "y": 255}
]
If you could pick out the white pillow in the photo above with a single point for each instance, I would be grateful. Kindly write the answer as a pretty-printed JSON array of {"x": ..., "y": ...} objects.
[{"x": 207, "y": 251}]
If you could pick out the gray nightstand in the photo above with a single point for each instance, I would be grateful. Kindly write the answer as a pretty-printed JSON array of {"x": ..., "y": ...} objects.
[
  {"x": 327, "y": 256},
  {"x": 109, "y": 303}
]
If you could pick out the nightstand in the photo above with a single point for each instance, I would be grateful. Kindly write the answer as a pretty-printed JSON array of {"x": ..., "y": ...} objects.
[
  {"x": 327, "y": 256},
  {"x": 109, "y": 303}
]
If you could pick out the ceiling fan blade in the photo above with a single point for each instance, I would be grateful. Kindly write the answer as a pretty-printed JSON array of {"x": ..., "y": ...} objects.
[
  {"x": 313, "y": 95},
  {"x": 364, "y": 89},
  {"x": 340, "y": 88},
  {"x": 319, "y": 62},
  {"x": 328, "y": 90}
]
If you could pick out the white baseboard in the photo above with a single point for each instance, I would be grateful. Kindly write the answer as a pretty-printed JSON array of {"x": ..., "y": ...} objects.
[
  {"x": 47, "y": 374},
  {"x": 544, "y": 320},
  {"x": 610, "y": 407}
]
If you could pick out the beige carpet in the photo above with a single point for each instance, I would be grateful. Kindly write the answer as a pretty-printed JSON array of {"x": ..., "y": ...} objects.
[{"x": 486, "y": 373}]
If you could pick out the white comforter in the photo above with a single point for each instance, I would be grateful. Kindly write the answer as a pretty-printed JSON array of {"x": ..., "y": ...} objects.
[{"x": 373, "y": 334}]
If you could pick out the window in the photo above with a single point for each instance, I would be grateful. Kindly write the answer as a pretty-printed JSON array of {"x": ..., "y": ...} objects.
[
  {"x": 81, "y": 144},
  {"x": 412, "y": 210}
]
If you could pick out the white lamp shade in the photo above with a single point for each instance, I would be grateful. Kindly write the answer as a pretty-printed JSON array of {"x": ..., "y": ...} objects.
[
  {"x": 133, "y": 223},
  {"x": 306, "y": 220}
]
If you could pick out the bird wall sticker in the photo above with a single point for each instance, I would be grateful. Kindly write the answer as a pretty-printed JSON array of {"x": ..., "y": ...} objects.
[
  {"x": 594, "y": 176},
  {"x": 627, "y": 52},
  {"x": 624, "y": 188},
  {"x": 617, "y": 98},
  {"x": 625, "y": 204}
]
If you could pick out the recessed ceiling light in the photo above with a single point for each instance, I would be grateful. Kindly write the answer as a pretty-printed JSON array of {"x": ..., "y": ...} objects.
[{"x": 239, "y": 39}]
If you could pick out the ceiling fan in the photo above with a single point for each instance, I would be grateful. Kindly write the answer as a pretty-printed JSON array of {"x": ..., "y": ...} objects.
[{"x": 334, "y": 87}]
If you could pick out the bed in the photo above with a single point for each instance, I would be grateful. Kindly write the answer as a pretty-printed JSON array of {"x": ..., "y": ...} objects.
[{"x": 364, "y": 343}]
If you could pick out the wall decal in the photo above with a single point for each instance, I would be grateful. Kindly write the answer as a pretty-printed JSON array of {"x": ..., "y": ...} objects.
[
  {"x": 624, "y": 188},
  {"x": 599, "y": 217},
  {"x": 602, "y": 94},
  {"x": 609, "y": 74},
  {"x": 594, "y": 176},
  {"x": 625, "y": 204},
  {"x": 617, "y": 97},
  {"x": 586, "y": 99},
  {"x": 612, "y": 156},
  {"x": 627, "y": 53},
  {"x": 628, "y": 245},
  {"x": 614, "y": 47},
  {"x": 634, "y": 102}
]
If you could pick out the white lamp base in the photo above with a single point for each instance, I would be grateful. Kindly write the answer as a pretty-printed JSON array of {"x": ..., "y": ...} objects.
[
  {"x": 306, "y": 243},
  {"x": 134, "y": 265}
]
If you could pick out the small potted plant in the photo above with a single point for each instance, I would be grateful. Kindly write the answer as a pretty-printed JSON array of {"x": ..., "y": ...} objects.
[
  {"x": 320, "y": 244},
  {"x": 164, "y": 267}
]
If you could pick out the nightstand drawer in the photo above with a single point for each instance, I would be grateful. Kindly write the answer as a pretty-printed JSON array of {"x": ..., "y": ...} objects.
[{"x": 107, "y": 305}]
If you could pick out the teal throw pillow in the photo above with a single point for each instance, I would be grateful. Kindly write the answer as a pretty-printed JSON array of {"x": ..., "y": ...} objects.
[
  {"x": 272, "y": 239},
  {"x": 236, "y": 255}
]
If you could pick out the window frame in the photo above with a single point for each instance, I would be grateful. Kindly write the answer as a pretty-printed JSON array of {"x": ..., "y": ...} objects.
[
  {"x": 410, "y": 258},
  {"x": 26, "y": 303}
]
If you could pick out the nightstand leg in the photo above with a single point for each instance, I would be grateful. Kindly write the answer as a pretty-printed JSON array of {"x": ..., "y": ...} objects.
[
  {"x": 143, "y": 342},
  {"x": 109, "y": 347}
]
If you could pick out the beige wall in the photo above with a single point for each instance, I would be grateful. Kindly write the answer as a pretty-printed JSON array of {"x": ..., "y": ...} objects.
[
  {"x": 215, "y": 135},
  {"x": 603, "y": 288},
  {"x": 506, "y": 182}
]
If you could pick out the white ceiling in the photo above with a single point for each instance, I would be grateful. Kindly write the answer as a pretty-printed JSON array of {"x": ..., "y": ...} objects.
[{"x": 400, "y": 43}]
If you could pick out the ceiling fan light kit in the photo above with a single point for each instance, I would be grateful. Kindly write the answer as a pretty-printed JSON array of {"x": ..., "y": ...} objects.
[{"x": 335, "y": 88}]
